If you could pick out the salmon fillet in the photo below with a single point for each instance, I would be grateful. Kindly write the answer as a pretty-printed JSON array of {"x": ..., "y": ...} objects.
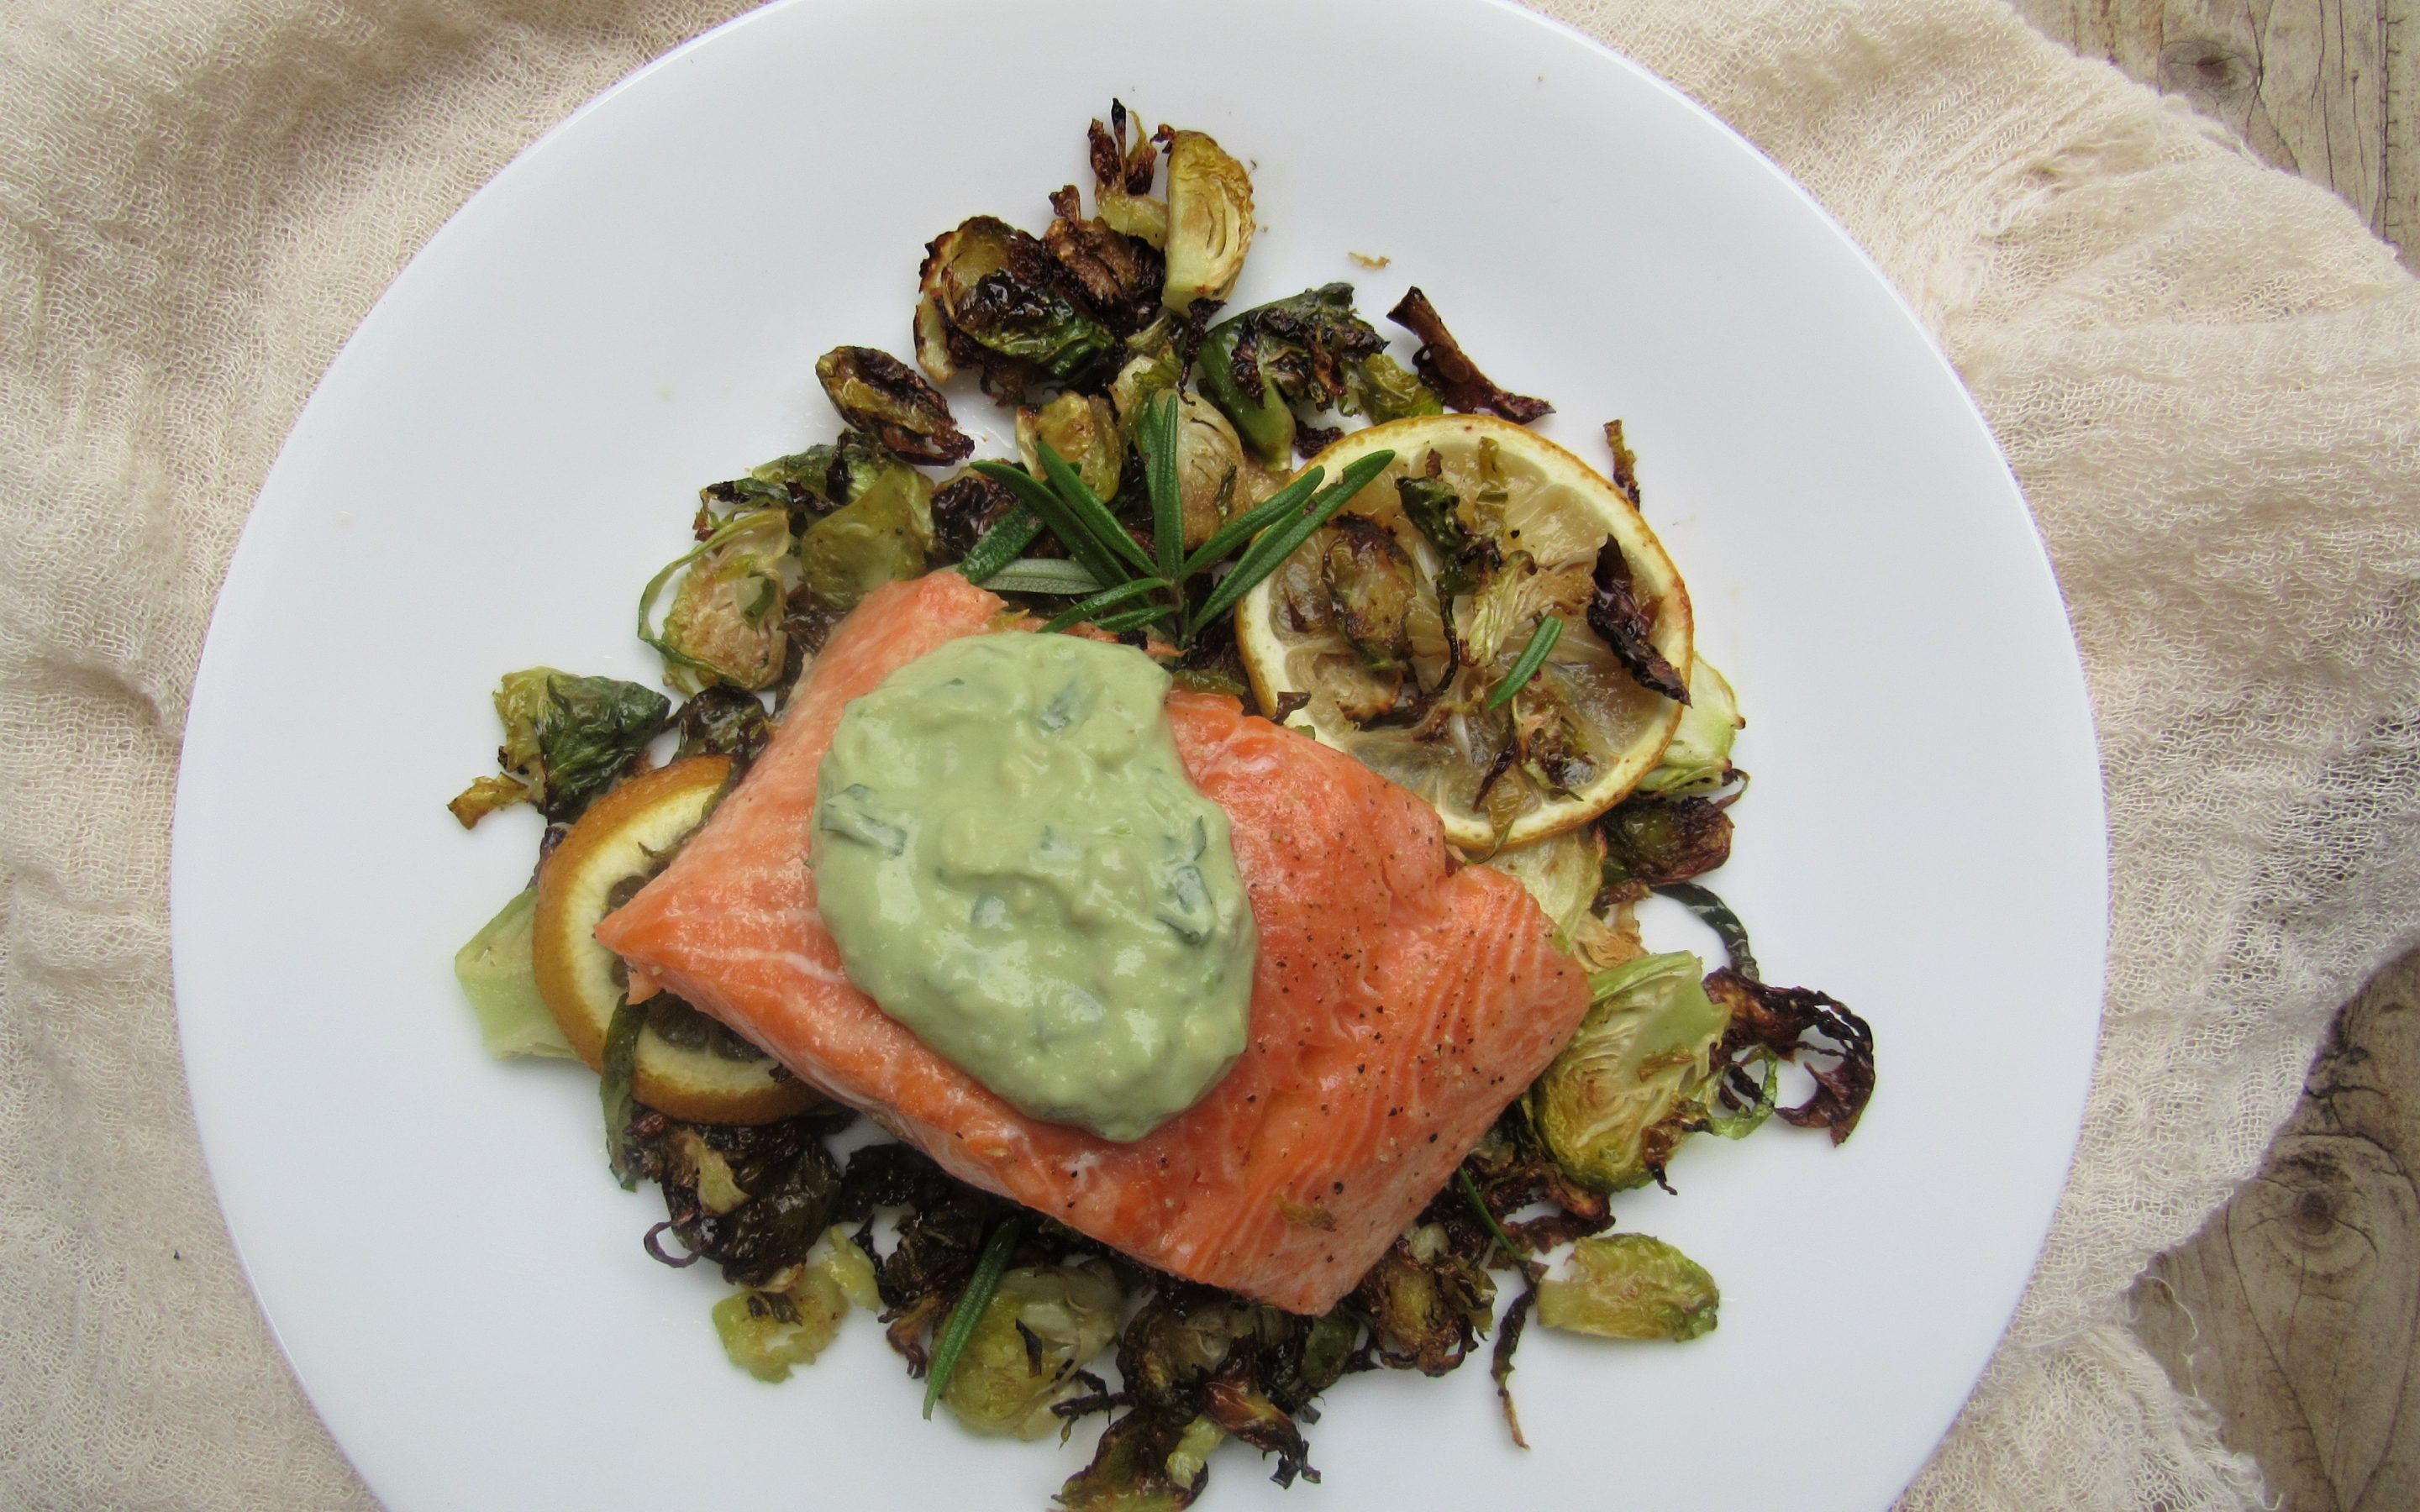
[{"x": 1397, "y": 1006}]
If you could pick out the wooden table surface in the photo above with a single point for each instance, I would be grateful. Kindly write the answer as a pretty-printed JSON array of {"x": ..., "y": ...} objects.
[{"x": 2295, "y": 1310}]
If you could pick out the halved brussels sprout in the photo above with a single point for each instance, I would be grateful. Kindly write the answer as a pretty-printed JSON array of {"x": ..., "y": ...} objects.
[
  {"x": 1273, "y": 366},
  {"x": 1147, "y": 1462},
  {"x": 882, "y": 537},
  {"x": 1631, "y": 1286},
  {"x": 1043, "y": 1326},
  {"x": 722, "y": 721},
  {"x": 767, "y": 1333},
  {"x": 1209, "y": 220},
  {"x": 1370, "y": 591},
  {"x": 964, "y": 507},
  {"x": 567, "y": 739},
  {"x": 1661, "y": 841},
  {"x": 726, "y": 622},
  {"x": 1083, "y": 429},
  {"x": 995, "y": 302},
  {"x": 1119, "y": 274},
  {"x": 882, "y": 397},
  {"x": 1603, "y": 1108},
  {"x": 1699, "y": 758},
  {"x": 1426, "y": 1303}
]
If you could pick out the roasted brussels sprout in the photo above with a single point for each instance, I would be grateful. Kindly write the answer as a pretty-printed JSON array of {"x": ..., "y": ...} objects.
[
  {"x": 1043, "y": 1326},
  {"x": 1603, "y": 1108},
  {"x": 499, "y": 979},
  {"x": 1118, "y": 275},
  {"x": 1370, "y": 591},
  {"x": 1441, "y": 362},
  {"x": 1661, "y": 841},
  {"x": 722, "y": 721},
  {"x": 1630, "y": 1287},
  {"x": 567, "y": 739},
  {"x": 753, "y": 1199},
  {"x": 881, "y": 537},
  {"x": 1148, "y": 1461},
  {"x": 1427, "y": 1302},
  {"x": 1083, "y": 429},
  {"x": 965, "y": 507},
  {"x": 997, "y": 302},
  {"x": 1699, "y": 760},
  {"x": 814, "y": 482},
  {"x": 1273, "y": 366},
  {"x": 1122, "y": 175},
  {"x": 725, "y": 621},
  {"x": 882, "y": 397},
  {"x": 767, "y": 1333},
  {"x": 1209, "y": 220}
]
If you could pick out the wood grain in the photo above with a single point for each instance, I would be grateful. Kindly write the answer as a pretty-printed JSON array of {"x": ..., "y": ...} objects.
[
  {"x": 2295, "y": 1311},
  {"x": 2326, "y": 88}
]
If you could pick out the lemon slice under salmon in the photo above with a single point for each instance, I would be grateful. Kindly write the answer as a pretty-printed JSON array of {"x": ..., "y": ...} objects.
[
  {"x": 688, "y": 1065},
  {"x": 1386, "y": 683}
]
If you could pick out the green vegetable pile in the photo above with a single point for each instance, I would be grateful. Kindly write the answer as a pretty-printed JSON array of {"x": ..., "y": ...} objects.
[{"x": 1147, "y": 498}]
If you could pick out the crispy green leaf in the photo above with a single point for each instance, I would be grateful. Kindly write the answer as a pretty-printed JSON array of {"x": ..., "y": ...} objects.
[
  {"x": 620, "y": 1062},
  {"x": 500, "y": 980}
]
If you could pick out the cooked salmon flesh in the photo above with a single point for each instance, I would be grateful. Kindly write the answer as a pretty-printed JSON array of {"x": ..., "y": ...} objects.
[{"x": 1398, "y": 1003}]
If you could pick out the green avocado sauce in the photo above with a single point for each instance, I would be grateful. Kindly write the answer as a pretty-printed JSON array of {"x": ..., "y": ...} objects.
[{"x": 1015, "y": 866}]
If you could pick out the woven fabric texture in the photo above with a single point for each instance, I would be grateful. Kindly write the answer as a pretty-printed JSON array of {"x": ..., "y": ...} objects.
[{"x": 2206, "y": 372}]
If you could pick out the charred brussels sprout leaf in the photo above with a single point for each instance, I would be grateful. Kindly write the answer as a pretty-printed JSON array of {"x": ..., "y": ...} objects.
[
  {"x": 1118, "y": 275},
  {"x": 882, "y": 397},
  {"x": 1122, "y": 175},
  {"x": 1083, "y": 429},
  {"x": 753, "y": 1199},
  {"x": 1631, "y": 1286},
  {"x": 1209, "y": 220},
  {"x": 1791, "y": 1022},
  {"x": 1148, "y": 1461},
  {"x": 879, "y": 538},
  {"x": 1427, "y": 1302},
  {"x": 767, "y": 1333},
  {"x": 722, "y": 721},
  {"x": 1451, "y": 372},
  {"x": 1043, "y": 1326},
  {"x": 1370, "y": 591},
  {"x": 725, "y": 621},
  {"x": 567, "y": 739},
  {"x": 498, "y": 976},
  {"x": 1661, "y": 841},
  {"x": 1276, "y": 365},
  {"x": 997, "y": 302},
  {"x": 1622, "y": 622},
  {"x": 964, "y": 508},
  {"x": 1699, "y": 760},
  {"x": 1603, "y": 1109}
]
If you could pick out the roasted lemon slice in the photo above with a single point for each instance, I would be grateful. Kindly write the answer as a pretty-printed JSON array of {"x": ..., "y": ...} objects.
[
  {"x": 1401, "y": 623},
  {"x": 688, "y": 1065}
]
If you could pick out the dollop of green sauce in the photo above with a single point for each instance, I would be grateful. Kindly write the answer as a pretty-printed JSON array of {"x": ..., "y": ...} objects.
[{"x": 1015, "y": 866}]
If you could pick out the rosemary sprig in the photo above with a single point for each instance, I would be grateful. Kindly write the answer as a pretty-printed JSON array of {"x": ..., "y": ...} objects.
[
  {"x": 1111, "y": 598},
  {"x": 1112, "y": 567},
  {"x": 960, "y": 1330},
  {"x": 999, "y": 548},
  {"x": 1524, "y": 666}
]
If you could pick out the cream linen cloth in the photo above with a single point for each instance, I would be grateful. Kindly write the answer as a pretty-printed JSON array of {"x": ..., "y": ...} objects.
[{"x": 2207, "y": 375}]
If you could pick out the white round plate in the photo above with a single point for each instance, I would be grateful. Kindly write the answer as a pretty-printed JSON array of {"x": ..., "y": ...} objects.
[{"x": 514, "y": 438}]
